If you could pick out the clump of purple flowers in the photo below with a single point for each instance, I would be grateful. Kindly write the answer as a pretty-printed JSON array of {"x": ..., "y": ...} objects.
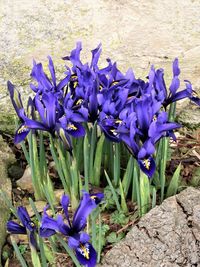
[
  {"x": 127, "y": 109},
  {"x": 78, "y": 240}
]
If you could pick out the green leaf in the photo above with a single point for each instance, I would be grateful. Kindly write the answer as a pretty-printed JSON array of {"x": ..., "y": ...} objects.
[
  {"x": 18, "y": 254},
  {"x": 97, "y": 161},
  {"x": 128, "y": 175},
  {"x": 119, "y": 218},
  {"x": 115, "y": 197},
  {"x": 123, "y": 200},
  {"x": 116, "y": 163},
  {"x": 114, "y": 238},
  {"x": 144, "y": 193},
  {"x": 86, "y": 149},
  {"x": 35, "y": 257},
  {"x": 174, "y": 183}
]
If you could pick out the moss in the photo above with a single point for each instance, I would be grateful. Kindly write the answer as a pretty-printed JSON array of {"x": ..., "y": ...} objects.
[{"x": 7, "y": 123}]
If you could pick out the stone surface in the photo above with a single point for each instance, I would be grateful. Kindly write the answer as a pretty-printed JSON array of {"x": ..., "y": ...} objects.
[
  {"x": 190, "y": 117},
  {"x": 6, "y": 158},
  {"x": 134, "y": 33},
  {"x": 25, "y": 182},
  {"x": 167, "y": 236}
]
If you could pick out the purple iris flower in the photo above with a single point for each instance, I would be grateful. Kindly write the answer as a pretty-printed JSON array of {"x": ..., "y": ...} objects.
[
  {"x": 52, "y": 119},
  {"x": 27, "y": 227},
  {"x": 44, "y": 83},
  {"x": 174, "y": 95},
  {"x": 77, "y": 239}
]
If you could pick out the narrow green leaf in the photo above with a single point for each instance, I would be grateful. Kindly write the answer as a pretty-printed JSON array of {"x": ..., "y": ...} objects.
[
  {"x": 116, "y": 163},
  {"x": 174, "y": 183},
  {"x": 25, "y": 151},
  {"x": 42, "y": 157},
  {"x": 144, "y": 193},
  {"x": 163, "y": 162},
  {"x": 113, "y": 192},
  {"x": 128, "y": 176},
  {"x": 75, "y": 184},
  {"x": 99, "y": 239},
  {"x": 153, "y": 204},
  {"x": 86, "y": 149},
  {"x": 123, "y": 200},
  {"x": 18, "y": 254},
  {"x": 58, "y": 165},
  {"x": 35, "y": 257},
  {"x": 93, "y": 144},
  {"x": 98, "y": 160}
]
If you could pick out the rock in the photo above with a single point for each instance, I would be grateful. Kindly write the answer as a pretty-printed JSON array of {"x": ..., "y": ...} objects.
[
  {"x": 6, "y": 158},
  {"x": 15, "y": 171},
  {"x": 133, "y": 33},
  {"x": 167, "y": 236},
  {"x": 39, "y": 206},
  {"x": 58, "y": 194},
  {"x": 25, "y": 182},
  {"x": 190, "y": 117}
]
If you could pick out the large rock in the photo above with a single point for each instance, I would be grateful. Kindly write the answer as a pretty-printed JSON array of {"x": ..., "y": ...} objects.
[
  {"x": 135, "y": 33},
  {"x": 167, "y": 236},
  {"x": 6, "y": 158}
]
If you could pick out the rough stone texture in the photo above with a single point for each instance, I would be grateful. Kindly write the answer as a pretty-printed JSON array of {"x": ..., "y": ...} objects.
[
  {"x": 6, "y": 158},
  {"x": 190, "y": 117},
  {"x": 168, "y": 236},
  {"x": 134, "y": 33}
]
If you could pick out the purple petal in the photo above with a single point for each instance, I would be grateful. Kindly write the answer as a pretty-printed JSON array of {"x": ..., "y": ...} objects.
[
  {"x": 15, "y": 228},
  {"x": 25, "y": 218},
  {"x": 49, "y": 226},
  {"x": 148, "y": 166},
  {"x": 174, "y": 85},
  {"x": 15, "y": 98},
  {"x": 98, "y": 197},
  {"x": 75, "y": 129},
  {"x": 65, "y": 205},
  {"x": 21, "y": 133},
  {"x": 52, "y": 70},
  {"x": 50, "y": 105},
  {"x": 176, "y": 70},
  {"x": 86, "y": 255},
  {"x": 33, "y": 239},
  {"x": 73, "y": 242},
  {"x": 84, "y": 237},
  {"x": 85, "y": 207}
]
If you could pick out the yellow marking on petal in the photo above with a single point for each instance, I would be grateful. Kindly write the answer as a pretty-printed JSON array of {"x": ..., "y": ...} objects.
[
  {"x": 32, "y": 224},
  {"x": 154, "y": 118},
  {"x": 119, "y": 121},
  {"x": 93, "y": 197},
  {"x": 74, "y": 76},
  {"x": 114, "y": 132},
  {"x": 114, "y": 82},
  {"x": 79, "y": 102},
  {"x": 71, "y": 127},
  {"x": 75, "y": 84},
  {"x": 22, "y": 129},
  {"x": 100, "y": 87},
  {"x": 146, "y": 163},
  {"x": 85, "y": 251},
  {"x": 195, "y": 94}
]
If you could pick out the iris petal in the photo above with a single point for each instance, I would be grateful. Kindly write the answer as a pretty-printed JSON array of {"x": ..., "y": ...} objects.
[
  {"x": 148, "y": 166},
  {"x": 86, "y": 255},
  {"x": 84, "y": 209},
  {"x": 15, "y": 228}
]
